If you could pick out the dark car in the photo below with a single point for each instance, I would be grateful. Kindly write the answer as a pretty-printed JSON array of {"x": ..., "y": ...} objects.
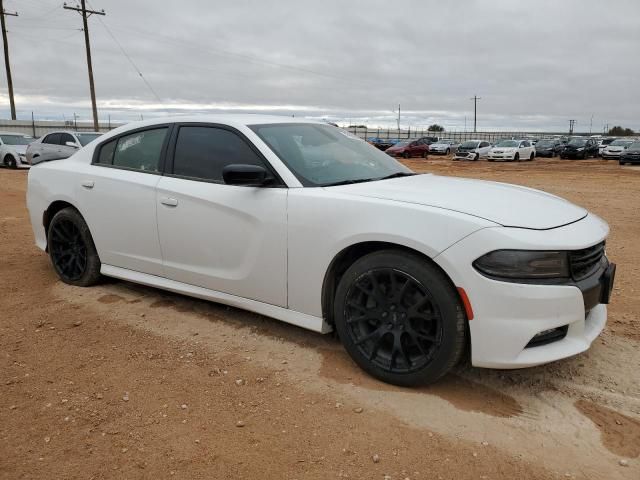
[
  {"x": 381, "y": 143},
  {"x": 580, "y": 148},
  {"x": 429, "y": 140},
  {"x": 548, "y": 148},
  {"x": 409, "y": 148},
  {"x": 631, "y": 155}
]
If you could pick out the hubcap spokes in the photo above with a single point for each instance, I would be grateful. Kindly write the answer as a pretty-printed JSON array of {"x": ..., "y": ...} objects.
[
  {"x": 393, "y": 320},
  {"x": 68, "y": 250}
]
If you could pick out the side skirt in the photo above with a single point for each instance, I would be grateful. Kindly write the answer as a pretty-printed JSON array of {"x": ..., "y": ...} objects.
[{"x": 299, "y": 319}]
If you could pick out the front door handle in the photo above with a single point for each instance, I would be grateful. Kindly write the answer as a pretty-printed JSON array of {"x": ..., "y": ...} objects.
[
  {"x": 169, "y": 202},
  {"x": 88, "y": 184}
]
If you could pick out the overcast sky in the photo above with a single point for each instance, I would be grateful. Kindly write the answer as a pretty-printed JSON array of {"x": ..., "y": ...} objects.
[{"x": 535, "y": 64}]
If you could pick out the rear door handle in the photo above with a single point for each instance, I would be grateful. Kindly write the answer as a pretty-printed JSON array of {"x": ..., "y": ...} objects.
[
  {"x": 169, "y": 202},
  {"x": 88, "y": 184}
]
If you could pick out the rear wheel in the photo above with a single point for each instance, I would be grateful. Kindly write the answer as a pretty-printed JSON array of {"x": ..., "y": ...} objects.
[
  {"x": 399, "y": 318},
  {"x": 405, "y": 155},
  {"x": 71, "y": 249},
  {"x": 424, "y": 154},
  {"x": 10, "y": 162}
]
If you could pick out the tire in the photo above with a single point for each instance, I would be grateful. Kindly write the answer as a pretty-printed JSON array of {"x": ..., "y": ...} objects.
[
  {"x": 516, "y": 157},
  {"x": 71, "y": 249},
  {"x": 448, "y": 152},
  {"x": 477, "y": 157},
  {"x": 405, "y": 155},
  {"x": 425, "y": 154},
  {"x": 531, "y": 157},
  {"x": 10, "y": 162},
  {"x": 414, "y": 333}
]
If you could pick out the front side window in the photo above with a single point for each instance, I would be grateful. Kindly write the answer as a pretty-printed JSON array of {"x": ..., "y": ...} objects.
[
  {"x": 202, "y": 152},
  {"x": 320, "y": 155},
  {"x": 139, "y": 150},
  {"x": 52, "y": 139},
  {"x": 65, "y": 137}
]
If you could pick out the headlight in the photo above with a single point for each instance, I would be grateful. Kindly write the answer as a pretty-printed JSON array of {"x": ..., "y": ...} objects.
[
  {"x": 523, "y": 264},
  {"x": 580, "y": 149}
]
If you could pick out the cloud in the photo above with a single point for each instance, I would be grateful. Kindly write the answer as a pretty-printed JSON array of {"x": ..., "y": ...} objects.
[{"x": 536, "y": 63}]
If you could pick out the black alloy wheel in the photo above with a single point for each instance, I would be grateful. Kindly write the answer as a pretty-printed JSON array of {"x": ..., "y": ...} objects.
[
  {"x": 399, "y": 318},
  {"x": 10, "y": 162},
  {"x": 71, "y": 249}
]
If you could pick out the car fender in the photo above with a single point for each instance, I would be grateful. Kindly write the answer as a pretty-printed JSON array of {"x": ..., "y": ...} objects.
[{"x": 322, "y": 224}]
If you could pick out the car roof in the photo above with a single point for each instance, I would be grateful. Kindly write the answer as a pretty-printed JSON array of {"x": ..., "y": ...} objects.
[{"x": 233, "y": 119}]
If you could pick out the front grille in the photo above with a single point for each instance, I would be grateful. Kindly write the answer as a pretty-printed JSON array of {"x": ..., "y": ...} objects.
[{"x": 584, "y": 262}]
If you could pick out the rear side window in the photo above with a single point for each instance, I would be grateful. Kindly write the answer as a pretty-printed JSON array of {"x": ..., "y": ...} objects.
[
  {"x": 202, "y": 152},
  {"x": 138, "y": 151},
  {"x": 53, "y": 138}
]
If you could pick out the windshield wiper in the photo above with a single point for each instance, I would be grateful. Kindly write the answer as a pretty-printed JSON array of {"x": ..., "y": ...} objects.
[
  {"x": 396, "y": 175},
  {"x": 348, "y": 182}
]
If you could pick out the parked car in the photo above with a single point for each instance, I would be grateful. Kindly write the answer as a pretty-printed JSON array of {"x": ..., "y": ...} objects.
[
  {"x": 615, "y": 148},
  {"x": 444, "y": 147},
  {"x": 409, "y": 148},
  {"x": 511, "y": 150},
  {"x": 604, "y": 143},
  {"x": 472, "y": 150},
  {"x": 631, "y": 155},
  {"x": 548, "y": 147},
  {"x": 13, "y": 147},
  {"x": 381, "y": 143},
  {"x": 430, "y": 140},
  {"x": 57, "y": 145},
  {"x": 411, "y": 270},
  {"x": 580, "y": 147}
]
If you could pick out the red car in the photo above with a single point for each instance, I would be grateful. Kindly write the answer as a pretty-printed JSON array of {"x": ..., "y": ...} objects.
[{"x": 409, "y": 148}]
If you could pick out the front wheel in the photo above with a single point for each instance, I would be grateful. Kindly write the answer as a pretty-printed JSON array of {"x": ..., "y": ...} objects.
[
  {"x": 405, "y": 155},
  {"x": 531, "y": 157},
  {"x": 425, "y": 154},
  {"x": 399, "y": 318},
  {"x": 447, "y": 152},
  {"x": 71, "y": 249},
  {"x": 10, "y": 162},
  {"x": 477, "y": 157},
  {"x": 516, "y": 157}
]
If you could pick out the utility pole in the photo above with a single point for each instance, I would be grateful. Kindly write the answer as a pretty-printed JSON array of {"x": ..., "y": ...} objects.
[
  {"x": 591, "y": 125},
  {"x": 571, "y": 125},
  {"x": 398, "y": 118},
  {"x": 82, "y": 9},
  {"x": 6, "y": 58},
  {"x": 475, "y": 111}
]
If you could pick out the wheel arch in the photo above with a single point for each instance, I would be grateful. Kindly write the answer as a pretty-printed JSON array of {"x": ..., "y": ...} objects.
[
  {"x": 345, "y": 258},
  {"x": 53, "y": 208}
]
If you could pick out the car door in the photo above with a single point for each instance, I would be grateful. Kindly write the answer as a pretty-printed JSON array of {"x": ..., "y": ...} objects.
[
  {"x": 65, "y": 150},
  {"x": 483, "y": 149},
  {"x": 117, "y": 196},
  {"x": 48, "y": 149},
  {"x": 227, "y": 238}
]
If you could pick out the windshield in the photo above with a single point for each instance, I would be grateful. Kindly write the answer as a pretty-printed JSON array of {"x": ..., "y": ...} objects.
[
  {"x": 634, "y": 146},
  {"x": 508, "y": 143},
  {"x": 578, "y": 142},
  {"x": 621, "y": 143},
  {"x": 16, "y": 139},
  {"x": 85, "y": 138},
  {"x": 545, "y": 143},
  {"x": 401, "y": 144},
  {"x": 322, "y": 155},
  {"x": 469, "y": 145}
]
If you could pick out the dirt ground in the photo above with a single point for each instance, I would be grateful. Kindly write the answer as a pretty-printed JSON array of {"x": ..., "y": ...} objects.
[{"x": 123, "y": 381}]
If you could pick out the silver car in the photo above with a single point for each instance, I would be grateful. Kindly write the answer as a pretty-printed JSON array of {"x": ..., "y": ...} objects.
[
  {"x": 13, "y": 147},
  {"x": 56, "y": 145},
  {"x": 444, "y": 147}
]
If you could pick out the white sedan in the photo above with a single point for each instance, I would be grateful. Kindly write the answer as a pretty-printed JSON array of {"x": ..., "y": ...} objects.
[
  {"x": 306, "y": 223},
  {"x": 512, "y": 150},
  {"x": 13, "y": 147}
]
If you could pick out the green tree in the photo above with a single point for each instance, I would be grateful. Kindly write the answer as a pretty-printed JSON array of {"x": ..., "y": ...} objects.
[
  {"x": 619, "y": 131},
  {"x": 435, "y": 128}
]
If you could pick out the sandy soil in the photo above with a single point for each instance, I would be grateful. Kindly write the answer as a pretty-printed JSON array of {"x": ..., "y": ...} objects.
[{"x": 123, "y": 381}]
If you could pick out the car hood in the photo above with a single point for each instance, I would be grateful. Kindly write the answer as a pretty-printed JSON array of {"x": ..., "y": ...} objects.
[
  {"x": 502, "y": 203},
  {"x": 19, "y": 148}
]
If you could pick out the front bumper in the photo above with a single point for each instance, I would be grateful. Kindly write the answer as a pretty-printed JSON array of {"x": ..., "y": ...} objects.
[
  {"x": 628, "y": 159},
  {"x": 614, "y": 155},
  {"x": 507, "y": 316},
  {"x": 501, "y": 156}
]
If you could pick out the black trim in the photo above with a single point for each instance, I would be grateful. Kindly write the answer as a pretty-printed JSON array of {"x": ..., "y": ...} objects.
[
  {"x": 116, "y": 138},
  {"x": 171, "y": 150}
]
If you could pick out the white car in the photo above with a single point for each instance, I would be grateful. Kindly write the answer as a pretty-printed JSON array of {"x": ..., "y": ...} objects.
[
  {"x": 512, "y": 150},
  {"x": 615, "y": 148},
  {"x": 58, "y": 145},
  {"x": 13, "y": 147},
  {"x": 411, "y": 270},
  {"x": 472, "y": 150}
]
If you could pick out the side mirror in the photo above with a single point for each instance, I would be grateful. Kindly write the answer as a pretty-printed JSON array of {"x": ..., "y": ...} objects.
[
  {"x": 72, "y": 144},
  {"x": 247, "y": 175}
]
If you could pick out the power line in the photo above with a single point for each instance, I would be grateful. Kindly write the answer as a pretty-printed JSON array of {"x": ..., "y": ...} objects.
[
  {"x": 7, "y": 65},
  {"x": 82, "y": 9}
]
